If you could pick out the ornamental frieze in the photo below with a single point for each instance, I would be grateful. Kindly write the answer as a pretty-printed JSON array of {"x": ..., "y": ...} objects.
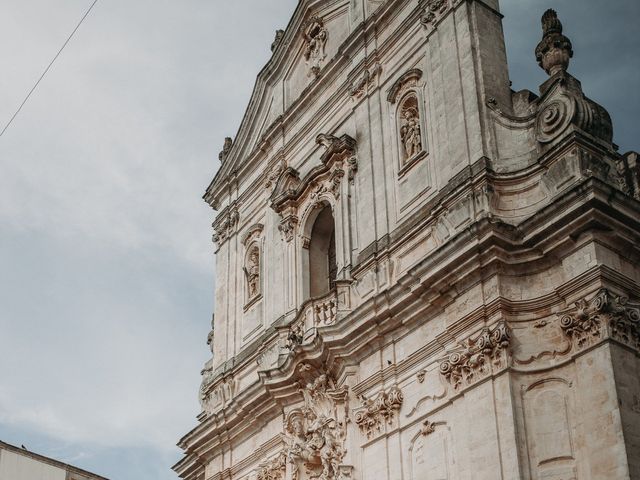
[
  {"x": 478, "y": 357},
  {"x": 377, "y": 412},
  {"x": 604, "y": 315}
]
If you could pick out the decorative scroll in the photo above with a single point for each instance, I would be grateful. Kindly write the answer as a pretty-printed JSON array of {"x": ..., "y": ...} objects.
[
  {"x": 477, "y": 358},
  {"x": 375, "y": 413}
]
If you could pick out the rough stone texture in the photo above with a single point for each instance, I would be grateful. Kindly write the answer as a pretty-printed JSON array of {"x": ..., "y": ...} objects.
[{"x": 482, "y": 321}]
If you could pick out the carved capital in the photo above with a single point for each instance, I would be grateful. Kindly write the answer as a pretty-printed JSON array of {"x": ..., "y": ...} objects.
[
  {"x": 589, "y": 321},
  {"x": 274, "y": 469},
  {"x": 374, "y": 413},
  {"x": 433, "y": 11},
  {"x": 287, "y": 227},
  {"x": 478, "y": 357},
  {"x": 225, "y": 225}
]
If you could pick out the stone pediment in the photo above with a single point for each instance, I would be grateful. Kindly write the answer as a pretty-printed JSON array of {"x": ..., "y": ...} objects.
[
  {"x": 290, "y": 189},
  {"x": 299, "y": 55}
]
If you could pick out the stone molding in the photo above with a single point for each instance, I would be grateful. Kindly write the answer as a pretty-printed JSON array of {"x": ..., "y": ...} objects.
[{"x": 376, "y": 412}]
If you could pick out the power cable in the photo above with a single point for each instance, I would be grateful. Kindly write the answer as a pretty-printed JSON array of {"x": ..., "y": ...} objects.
[{"x": 48, "y": 67}]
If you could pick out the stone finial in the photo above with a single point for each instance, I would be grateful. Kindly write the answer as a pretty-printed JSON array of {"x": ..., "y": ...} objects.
[
  {"x": 226, "y": 148},
  {"x": 554, "y": 50}
]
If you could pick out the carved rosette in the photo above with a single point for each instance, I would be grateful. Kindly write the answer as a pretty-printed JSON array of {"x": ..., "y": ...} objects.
[
  {"x": 375, "y": 413},
  {"x": 316, "y": 432},
  {"x": 478, "y": 358},
  {"x": 589, "y": 321},
  {"x": 225, "y": 225}
]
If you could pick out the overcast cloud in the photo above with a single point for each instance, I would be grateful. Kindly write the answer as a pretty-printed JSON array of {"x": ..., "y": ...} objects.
[{"x": 107, "y": 265}]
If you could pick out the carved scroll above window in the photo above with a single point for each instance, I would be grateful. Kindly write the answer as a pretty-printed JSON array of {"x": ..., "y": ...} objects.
[
  {"x": 292, "y": 195},
  {"x": 315, "y": 39}
]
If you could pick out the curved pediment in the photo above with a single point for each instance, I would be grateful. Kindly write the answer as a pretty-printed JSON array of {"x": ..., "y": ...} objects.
[
  {"x": 289, "y": 188},
  {"x": 300, "y": 53}
]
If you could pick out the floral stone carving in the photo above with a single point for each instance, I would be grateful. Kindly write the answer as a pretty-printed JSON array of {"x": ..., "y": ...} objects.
[
  {"x": 375, "y": 413},
  {"x": 433, "y": 11},
  {"x": 316, "y": 432},
  {"x": 478, "y": 356},
  {"x": 588, "y": 321}
]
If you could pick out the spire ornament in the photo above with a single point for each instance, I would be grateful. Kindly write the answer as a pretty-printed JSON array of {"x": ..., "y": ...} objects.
[{"x": 554, "y": 51}]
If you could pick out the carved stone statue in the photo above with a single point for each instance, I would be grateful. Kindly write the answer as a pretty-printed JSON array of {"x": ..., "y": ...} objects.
[
  {"x": 226, "y": 148},
  {"x": 315, "y": 434},
  {"x": 410, "y": 131},
  {"x": 252, "y": 272},
  {"x": 315, "y": 35},
  {"x": 211, "y": 335}
]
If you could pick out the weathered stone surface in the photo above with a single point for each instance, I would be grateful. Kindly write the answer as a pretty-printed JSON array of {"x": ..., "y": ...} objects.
[{"x": 420, "y": 273}]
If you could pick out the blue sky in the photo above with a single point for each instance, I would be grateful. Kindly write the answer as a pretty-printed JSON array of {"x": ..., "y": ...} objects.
[{"x": 106, "y": 285}]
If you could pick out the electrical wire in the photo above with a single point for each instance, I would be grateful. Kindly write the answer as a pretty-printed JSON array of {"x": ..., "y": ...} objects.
[{"x": 48, "y": 67}]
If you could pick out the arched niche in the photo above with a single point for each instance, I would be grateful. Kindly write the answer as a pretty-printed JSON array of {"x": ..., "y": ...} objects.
[{"x": 319, "y": 252}]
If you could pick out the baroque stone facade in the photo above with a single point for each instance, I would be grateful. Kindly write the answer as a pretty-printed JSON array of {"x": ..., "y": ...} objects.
[{"x": 421, "y": 274}]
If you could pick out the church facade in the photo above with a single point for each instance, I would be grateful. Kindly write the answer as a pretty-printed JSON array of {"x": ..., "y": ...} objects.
[{"x": 421, "y": 274}]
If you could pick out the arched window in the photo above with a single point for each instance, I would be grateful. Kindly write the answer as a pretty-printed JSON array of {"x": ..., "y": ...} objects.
[{"x": 323, "y": 268}]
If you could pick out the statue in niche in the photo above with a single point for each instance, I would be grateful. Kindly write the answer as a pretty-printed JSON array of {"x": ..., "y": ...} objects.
[
  {"x": 252, "y": 272},
  {"x": 410, "y": 128},
  {"x": 315, "y": 35}
]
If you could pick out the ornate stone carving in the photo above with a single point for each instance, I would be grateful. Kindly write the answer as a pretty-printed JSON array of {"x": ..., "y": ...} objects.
[
  {"x": 295, "y": 336},
  {"x": 207, "y": 378},
  {"x": 287, "y": 227},
  {"x": 478, "y": 356},
  {"x": 366, "y": 81},
  {"x": 554, "y": 118},
  {"x": 315, "y": 37},
  {"x": 252, "y": 272},
  {"x": 554, "y": 51},
  {"x": 410, "y": 127},
  {"x": 589, "y": 321},
  {"x": 274, "y": 469},
  {"x": 226, "y": 148},
  {"x": 277, "y": 40},
  {"x": 433, "y": 10},
  {"x": 375, "y": 413},
  {"x": 225, "y": 224},
  {"x": 427, "y": 428},
  {"x": 627, "y": 174},
  {"x": 316, "y": 432}
]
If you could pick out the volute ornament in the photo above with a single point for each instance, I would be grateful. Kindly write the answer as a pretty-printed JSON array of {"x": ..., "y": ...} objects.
[
  {"x": 589, "y": 321},
  {"x": 478, "y": 357},
  {"x": 376, "y": 412}
]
